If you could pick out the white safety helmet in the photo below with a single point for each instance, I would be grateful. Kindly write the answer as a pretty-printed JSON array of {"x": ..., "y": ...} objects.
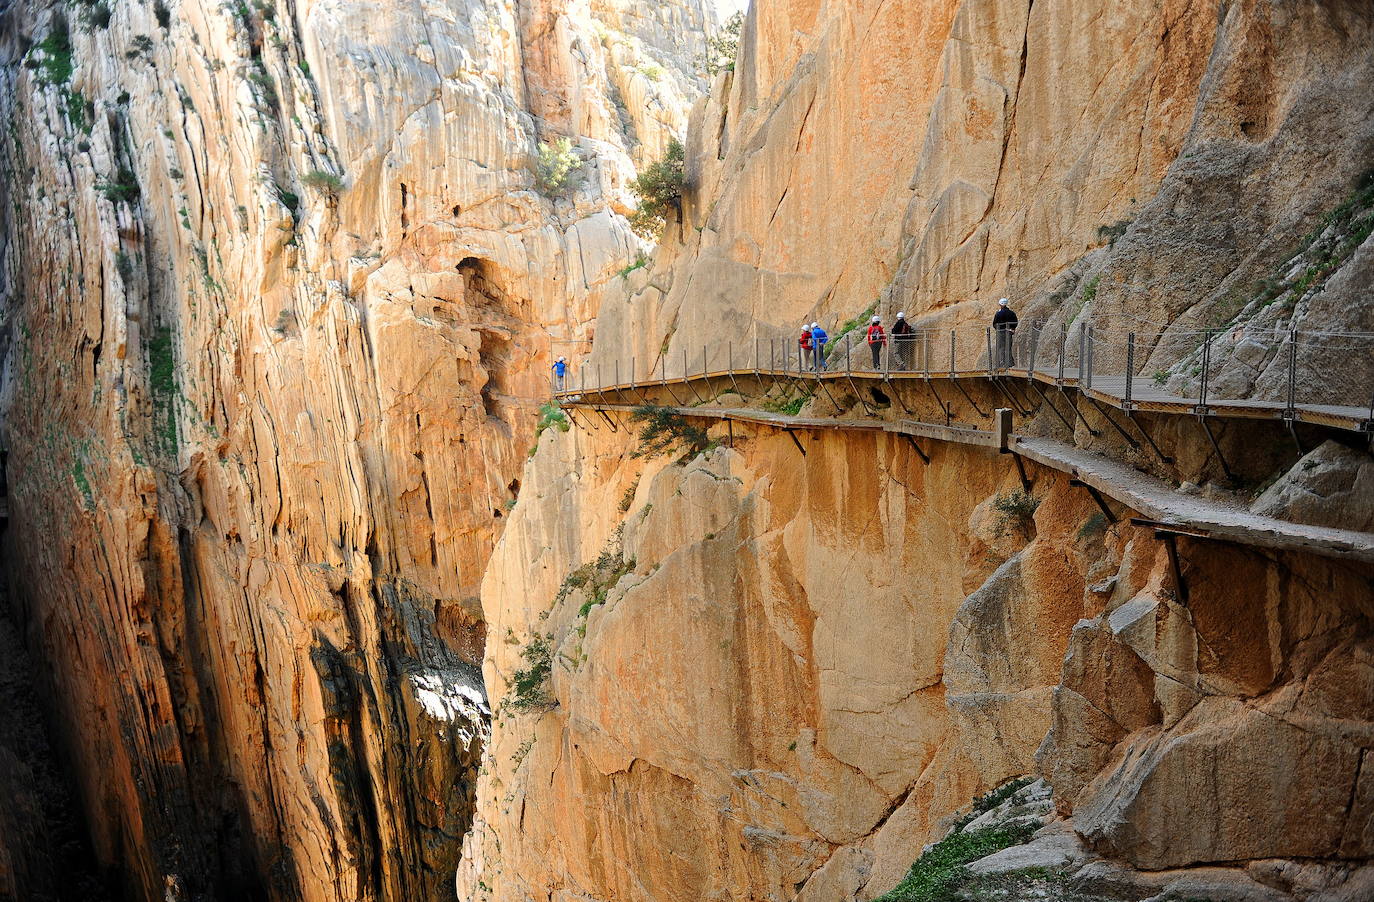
[
  {"x": 1002, "y": 303},
  {"x": 901, "y": 316},
  {"x": 815, "y": 325},
  {"x": 874, "y": 320}
]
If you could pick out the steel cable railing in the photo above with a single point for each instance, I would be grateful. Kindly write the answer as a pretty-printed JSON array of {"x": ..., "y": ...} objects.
[{"x": 1272, "y": 370}]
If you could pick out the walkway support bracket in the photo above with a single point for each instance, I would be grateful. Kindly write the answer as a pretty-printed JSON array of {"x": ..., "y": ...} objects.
[
  {"x": 917, "y": 448},
  {"x": 1097, "y": 497},
  {"x": 792, "y": 435},
  {"x": 1168, "y": 533}
]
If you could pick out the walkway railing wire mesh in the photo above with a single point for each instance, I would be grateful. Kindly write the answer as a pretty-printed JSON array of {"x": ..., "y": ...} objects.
[{"x": 1272, "y": 371}]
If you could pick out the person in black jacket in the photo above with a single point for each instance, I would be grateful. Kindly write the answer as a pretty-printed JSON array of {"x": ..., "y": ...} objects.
[
  {"x": 902, "y": 338},
  {"x": 1004, "y": 325}
]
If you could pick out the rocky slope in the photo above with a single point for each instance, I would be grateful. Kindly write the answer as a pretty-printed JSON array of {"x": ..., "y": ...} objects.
[
  {"x": 280, "y": 289},
  {"x": 778, "y": 677}
]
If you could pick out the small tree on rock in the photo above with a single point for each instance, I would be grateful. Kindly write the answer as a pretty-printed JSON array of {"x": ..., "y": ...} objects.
[
  {"x": 659, "y": 190},
  {"x": 666, "y": 431},
  {"x": 556, "y": 166},
  {"x": 723, "y": 46}
]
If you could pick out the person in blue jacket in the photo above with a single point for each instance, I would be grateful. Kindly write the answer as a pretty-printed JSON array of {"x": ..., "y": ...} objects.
[
  {"x": 560, "y": 373},
  {"x": 818, "y": 340}
]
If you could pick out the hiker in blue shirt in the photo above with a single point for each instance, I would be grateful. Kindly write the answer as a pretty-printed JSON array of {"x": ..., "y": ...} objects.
[
  {"x": 560, "y": 373},
  {"x": 818, "y": 340}
]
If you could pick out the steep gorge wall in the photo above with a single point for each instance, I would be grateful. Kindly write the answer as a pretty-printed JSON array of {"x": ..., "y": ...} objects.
[
  {"x": 790, "y": 671},
  {"x": 279, "y": 298},
  {"x": 776, "y": 676}
]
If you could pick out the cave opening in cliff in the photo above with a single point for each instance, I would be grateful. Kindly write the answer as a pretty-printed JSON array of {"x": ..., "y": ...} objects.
[{"x": 495, "y": 316}]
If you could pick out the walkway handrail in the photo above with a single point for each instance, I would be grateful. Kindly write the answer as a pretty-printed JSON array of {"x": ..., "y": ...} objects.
[{"x": 1292, "y": 375}]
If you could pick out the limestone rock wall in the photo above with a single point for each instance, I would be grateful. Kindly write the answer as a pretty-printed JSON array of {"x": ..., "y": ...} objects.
[
  {"x": 793, "y": 670},
  {"x": 1149, "y": 165},
  {"x": 279, "y": 294}
]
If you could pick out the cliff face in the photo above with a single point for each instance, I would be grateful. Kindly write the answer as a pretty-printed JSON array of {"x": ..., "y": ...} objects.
[
  {"x": 280, "y": 292},
  {"x": 775, "y": 676}
]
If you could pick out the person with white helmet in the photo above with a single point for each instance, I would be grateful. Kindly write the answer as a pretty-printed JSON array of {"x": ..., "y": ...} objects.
[
  {"x": 877, "y": 339},
  {"x": 805, "y": 344},
  {"x": 818, "y": 339},
  {"x": 560, "y": 373},
  {"x": 1004, "y": 324},
  {"x": 902, "y": 338}
]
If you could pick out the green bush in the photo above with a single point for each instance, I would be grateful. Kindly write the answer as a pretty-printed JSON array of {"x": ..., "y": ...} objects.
[
  {"x": 324, "y": 181},
  {"x": 123, "y": 188},
  {"x": 529, "y": 688},
  {"x": 659, "y": 191},
  {"x": 555, "y": 167},
  {"x": 938, "y": 874},
  {"x": 665, "y": 432},
  {"x": 723, "y": 46},
  {"x": 551, "y": 414},
  {"x": 641, "y": 260},
  {"x": 55, "y": 67},
  {"x": 1016, "y": 510}
]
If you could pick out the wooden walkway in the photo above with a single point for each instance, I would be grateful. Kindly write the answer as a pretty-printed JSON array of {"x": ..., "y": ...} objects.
[
  {"x": 1140, "y": 396},
  {"x": 1166, "y": 510}
]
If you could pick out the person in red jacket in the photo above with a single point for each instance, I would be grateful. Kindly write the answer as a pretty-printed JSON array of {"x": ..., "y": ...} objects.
[
  {"x": 805, "y": 342},
  {"x": 876, "y": 339}
]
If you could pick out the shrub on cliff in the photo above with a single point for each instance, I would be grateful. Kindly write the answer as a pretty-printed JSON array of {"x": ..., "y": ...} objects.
[
  {"x": 723, "y": 46},
  {"x": 325, "y": 182},
  {"x": 941, "y": 871},
  {"x": 529, "y": 687},
  {"x": 659, "y": 191},
  {"x": 555, "y": 167},
  {"x": 666, "y": 431}
]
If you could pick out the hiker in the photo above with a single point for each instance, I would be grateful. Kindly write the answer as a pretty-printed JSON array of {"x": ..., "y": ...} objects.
[
  {"x": 902, "y": 337},
  {"x": 805, "y": 342},
  {"x": 560, "y": 373},
  {"x": 876, "y": 339},
  {"x": 818, "y": 339},
  {"x": 1004, "y": 324}
]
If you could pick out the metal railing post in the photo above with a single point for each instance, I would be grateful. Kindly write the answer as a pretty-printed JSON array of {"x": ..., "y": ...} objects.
[
  {"x": 1206, "y": 364},
  {"x": 1063, "y": 346},
  {"x": 1291, "y": 412},
  {"x": 1130, "y": 367},
  {"x": 1035, "y": 346},
  {"x": 1092, "y": 336},
  {"x": 1082, "y": 350},
  {"x": 704, "y": 368},
  {"x": 925, "y": 352},
  {"x": 987, "y": 334},
  {"x": 617, "y": 374},
  {"x": 951, "y": 353}
]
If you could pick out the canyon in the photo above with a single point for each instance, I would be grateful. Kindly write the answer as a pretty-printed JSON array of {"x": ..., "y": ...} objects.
[{"x": 290, "y": 525}]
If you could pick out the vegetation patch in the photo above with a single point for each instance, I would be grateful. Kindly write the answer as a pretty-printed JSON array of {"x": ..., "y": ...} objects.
[
  {"x": 556, "y": 167},
  {"x": 123, "y": 188},
  {"x": 551, "y": 415},
  {"x": 55, "y": 63},
  {"x": 641, "y": 260},
  {"x": 789, "y": 408},
  {"x": 849, "y": 326},
  {"x": 723, "y": 47},
  {"x": 1016, "y": 511},
  {"x": 666, "y": 432},
  {"x": 659, "y": 192},
  {"x": 529, "y": 688},
  {"x": 942, "y": 871},
  {"x": 322, "y": 181},
  {"x": 162, "y": 382}
]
